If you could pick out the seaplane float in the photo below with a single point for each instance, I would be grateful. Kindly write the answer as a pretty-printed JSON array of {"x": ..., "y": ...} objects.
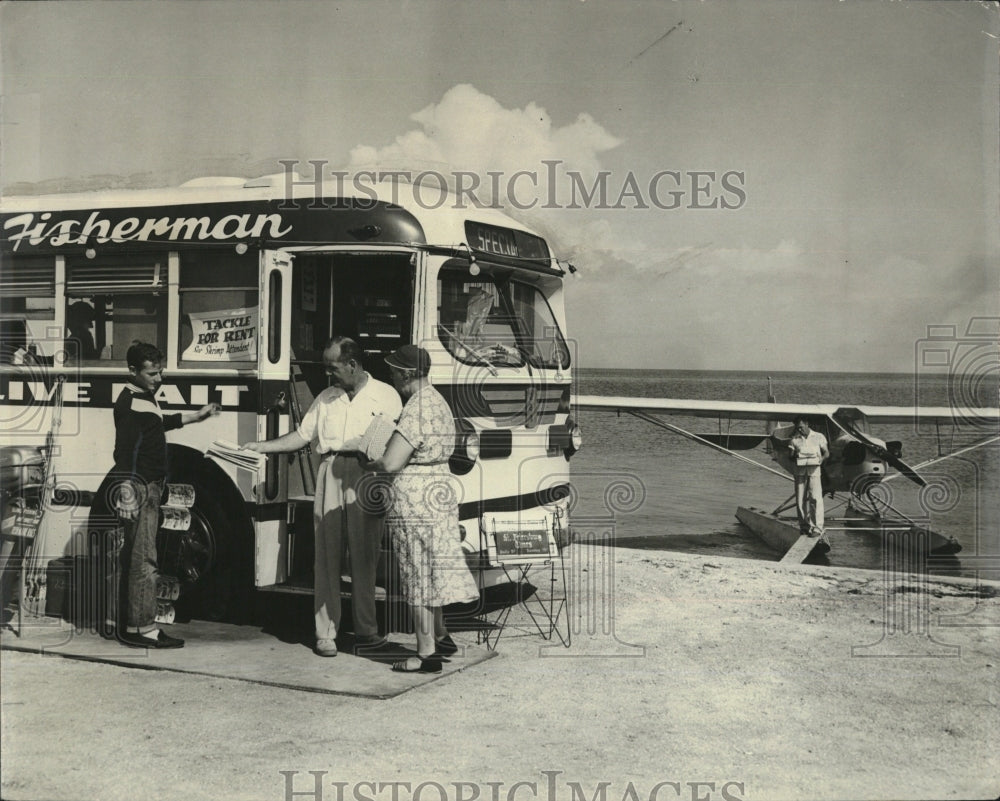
[{"x": 858, "y": 461}]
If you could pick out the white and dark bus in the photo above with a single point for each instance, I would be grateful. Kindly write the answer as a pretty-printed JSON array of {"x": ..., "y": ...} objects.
[{"x": 240, "y": 284}]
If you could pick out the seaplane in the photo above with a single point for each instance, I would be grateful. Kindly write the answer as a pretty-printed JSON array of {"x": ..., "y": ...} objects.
[{"x": 858, "y": 462}]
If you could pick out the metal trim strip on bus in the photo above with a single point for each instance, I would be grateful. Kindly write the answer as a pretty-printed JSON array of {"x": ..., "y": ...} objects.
[
  {"x": 117, "y": 367},
  {"x": 349, "y": 248},
  {"x": 453, "y": 251},
  {"x": 461, "y": 250},
  {"x": 512, "y": 503}
]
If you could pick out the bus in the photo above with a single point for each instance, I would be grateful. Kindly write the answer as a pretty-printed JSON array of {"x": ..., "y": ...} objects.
[{"x": 241, "y": 283}]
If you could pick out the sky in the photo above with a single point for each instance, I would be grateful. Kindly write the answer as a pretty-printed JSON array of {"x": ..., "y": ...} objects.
[{"x": 860, "y": 141}]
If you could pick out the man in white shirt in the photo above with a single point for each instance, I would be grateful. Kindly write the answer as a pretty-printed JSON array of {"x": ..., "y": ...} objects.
[
  {"x": 336, "y": 421},
  {"x": 808, "y": 450}
]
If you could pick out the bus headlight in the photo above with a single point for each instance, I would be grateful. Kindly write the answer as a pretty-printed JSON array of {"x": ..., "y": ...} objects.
[
  {"x": 567, "y": 438},
  {"x": 472, "y": 446},
  {"x": 575, "y": 438},
  {"x": 466, "y": 447}
]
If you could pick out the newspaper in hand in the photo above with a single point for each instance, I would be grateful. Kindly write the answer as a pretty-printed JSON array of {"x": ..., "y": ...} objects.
[
  {"x": 232, "y": 453},
  {"x": 374, "y": 440}
]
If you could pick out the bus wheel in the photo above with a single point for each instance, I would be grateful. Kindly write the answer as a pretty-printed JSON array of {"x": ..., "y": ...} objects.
[{"x": 209, "y": 560}]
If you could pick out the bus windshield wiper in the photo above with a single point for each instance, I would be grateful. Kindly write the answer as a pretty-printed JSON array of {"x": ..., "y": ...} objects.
[{"x": 472, "y": 351}]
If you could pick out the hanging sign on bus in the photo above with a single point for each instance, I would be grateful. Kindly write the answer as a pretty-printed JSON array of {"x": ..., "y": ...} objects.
[{"x": 228, "y": 335}]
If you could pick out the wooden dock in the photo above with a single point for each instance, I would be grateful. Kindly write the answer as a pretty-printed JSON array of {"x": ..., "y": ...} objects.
[{"x": 782, "y": 534}]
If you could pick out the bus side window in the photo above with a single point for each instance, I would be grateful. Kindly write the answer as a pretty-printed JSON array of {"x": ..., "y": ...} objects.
[
  {"x": 218, "y": 283},
  {"x": 27, "y": 308},
  {"x": 111, "y": 303},
  {"x": 80, "y": 342}
]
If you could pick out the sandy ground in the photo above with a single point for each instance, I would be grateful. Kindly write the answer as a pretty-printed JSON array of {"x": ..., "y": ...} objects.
[{"x": 724, "y": 678}]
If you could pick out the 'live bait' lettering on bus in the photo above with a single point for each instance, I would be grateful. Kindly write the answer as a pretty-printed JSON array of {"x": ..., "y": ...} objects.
[
  {"x": 100, "y": 230},
  {"x": 104, "y": 393}
]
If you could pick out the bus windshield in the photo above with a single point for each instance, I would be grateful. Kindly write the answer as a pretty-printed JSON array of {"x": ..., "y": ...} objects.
[{"x": 494, "y": 318}]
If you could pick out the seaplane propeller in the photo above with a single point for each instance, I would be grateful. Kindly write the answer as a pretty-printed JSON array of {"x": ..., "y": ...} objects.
[{"x": 889, "y": 452}]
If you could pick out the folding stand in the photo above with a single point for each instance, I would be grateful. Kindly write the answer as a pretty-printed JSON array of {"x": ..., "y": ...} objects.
[{"x": 517, "y": 548}]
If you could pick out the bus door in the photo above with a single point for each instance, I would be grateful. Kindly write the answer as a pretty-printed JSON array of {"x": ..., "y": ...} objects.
[
  {"x": 272, "y": 556},
  {"x": 365, "y": 295}
]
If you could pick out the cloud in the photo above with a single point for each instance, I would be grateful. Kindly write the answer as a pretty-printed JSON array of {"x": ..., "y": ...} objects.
[
  {"x": 600, "y": 246},
  {"x": 786, "y": 307},
  {"x": 471, "y": 131},
  {"x": 685, "y": 287}
]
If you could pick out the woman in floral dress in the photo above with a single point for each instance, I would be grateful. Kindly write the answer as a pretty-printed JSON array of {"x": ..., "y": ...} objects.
[{"x": 422, "y": 515}]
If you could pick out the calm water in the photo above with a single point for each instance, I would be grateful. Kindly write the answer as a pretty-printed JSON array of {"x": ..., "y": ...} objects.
[{"x": 674, "y": 494}]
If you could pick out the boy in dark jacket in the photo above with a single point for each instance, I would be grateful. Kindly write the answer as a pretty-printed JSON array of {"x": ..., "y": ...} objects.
[{"x": 140, "y": 470}]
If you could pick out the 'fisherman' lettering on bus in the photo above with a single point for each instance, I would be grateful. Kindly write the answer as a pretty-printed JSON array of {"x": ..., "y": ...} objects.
[{"x": 96, "y": 228}]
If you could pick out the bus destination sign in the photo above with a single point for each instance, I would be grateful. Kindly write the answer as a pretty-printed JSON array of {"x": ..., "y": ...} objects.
[{"x": 505, "y": 242}]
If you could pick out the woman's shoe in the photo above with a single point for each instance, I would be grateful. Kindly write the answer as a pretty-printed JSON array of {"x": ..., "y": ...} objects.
[
  {"x": 418, "y": 664},
  {"x": 446, "y": 646}
]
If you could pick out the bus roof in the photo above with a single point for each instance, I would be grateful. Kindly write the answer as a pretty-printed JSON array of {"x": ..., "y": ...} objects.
[{"x": 272, "y": 211}]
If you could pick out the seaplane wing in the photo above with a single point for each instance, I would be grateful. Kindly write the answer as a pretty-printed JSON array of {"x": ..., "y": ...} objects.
[
  {"x": 785, "y": 412},
  {"x": 856, "y": 460},
  {"x": 922, "y": 414},
  {"x": 842, "y": 426},
  {"x": 735, "y": 410}
]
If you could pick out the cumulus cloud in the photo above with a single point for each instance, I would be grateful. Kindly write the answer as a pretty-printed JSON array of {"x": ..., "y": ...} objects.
[
  {"x": 786, "y": 296},
  {"x": 472, "y": 132}
]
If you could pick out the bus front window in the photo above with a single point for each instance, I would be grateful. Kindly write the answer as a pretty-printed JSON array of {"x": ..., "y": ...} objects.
[
  {"x": 496, "y": 320},
  {"x": 475, "y": 320},
  {"x": 541, "y": 336}
]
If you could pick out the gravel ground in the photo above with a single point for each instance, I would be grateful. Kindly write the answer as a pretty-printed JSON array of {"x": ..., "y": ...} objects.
[{"x": 696, "y": 678}]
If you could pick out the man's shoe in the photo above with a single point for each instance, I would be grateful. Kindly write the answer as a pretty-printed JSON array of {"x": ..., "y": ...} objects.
[
  {"x": 135, "y": 640},
  {"x": 369, "y": 642},
  {"x": 166, "y": 641},
  {"x": 325, "y": 647}
]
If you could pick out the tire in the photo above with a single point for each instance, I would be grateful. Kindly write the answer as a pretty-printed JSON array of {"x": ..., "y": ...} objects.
[{"x": 212, "y": 560}]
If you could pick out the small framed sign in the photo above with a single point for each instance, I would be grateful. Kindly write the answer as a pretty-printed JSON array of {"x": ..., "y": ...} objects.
[{"x": 520, "y": 542}]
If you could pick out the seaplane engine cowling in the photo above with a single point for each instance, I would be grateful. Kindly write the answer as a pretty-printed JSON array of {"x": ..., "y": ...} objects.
[{"x": 854, "y": 453}]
